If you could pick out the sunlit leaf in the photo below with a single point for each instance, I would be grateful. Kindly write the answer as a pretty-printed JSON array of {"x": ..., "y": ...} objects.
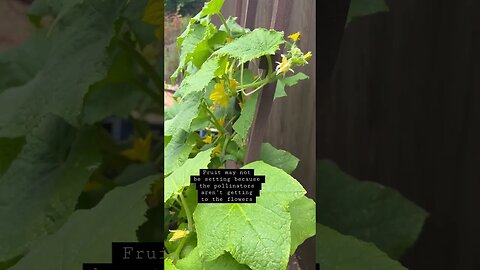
[
  {"x": 88, "y": 234},
  {"x": 180, "y": 178},
  {"x": 266, "y": 223},
  {"x": 41, "y": 187},
  {"x": 254, "y": 44}
]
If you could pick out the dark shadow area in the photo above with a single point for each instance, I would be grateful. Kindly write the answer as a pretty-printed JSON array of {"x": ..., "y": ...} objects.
[{"x": 403, "y": 109}]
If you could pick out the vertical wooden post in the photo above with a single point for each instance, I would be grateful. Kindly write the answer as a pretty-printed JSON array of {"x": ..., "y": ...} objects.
[
  {"x": 238, "y": 11},
  {"x": 279, "y": 21},
  {"x": 248, "y": 16},
  {"x": 281, "y": 9}
]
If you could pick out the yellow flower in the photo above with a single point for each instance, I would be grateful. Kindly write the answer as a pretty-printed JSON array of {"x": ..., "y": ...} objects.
[
  {"x": 229, "y": 39},
  {"x": 307, "y": 56},
  {"x": 221, "y": 121},
  {"x": 283, "y": 67},
  {"x": 154, "y": 16},
  {"x": 178, "y": 234},
  {"x": 240, "y": 104},
  {"x": 218, "y": 95},
  {"x": 295, "y": 36},
  {"x": 217, "y": 150},
  {"x": 153, "y": 13},
  {"x": 233, "y": 84},
  {"x": 140, "y": 150},
  {"x": 208, "y": 139}
]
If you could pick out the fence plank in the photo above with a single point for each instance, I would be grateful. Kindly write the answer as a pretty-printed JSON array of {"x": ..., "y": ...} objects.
[{"x": 265, "y": 102}]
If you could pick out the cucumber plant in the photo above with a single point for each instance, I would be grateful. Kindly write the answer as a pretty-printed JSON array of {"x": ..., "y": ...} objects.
[
  {"x": 209, "y": 126},
  {"x": 68, "y": 186}
]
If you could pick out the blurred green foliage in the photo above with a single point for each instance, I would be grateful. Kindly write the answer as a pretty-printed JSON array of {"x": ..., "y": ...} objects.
[{"x": 184, "y": 7}]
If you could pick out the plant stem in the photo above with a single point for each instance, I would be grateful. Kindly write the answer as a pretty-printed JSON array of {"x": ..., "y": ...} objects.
[
  {"x": 270, "y": 78},
  {"x": 176, "y": 253},
  {"x": 230, "y": 71},
  {"x": 252, "y": 85},
  {"x": 241, "y": 74},
  {"x": 215, "y": 120},
  {"x": 176, "y": 208},
  {"x": 187, "y": 212},
  {"x": 230, "y": 121},
  {"x": 256, "y": 89},
  {"x": 225, "y": 144},
  {"x": 225, "y": 24},
  {"x": 270, "y": 67},
  {"x": 238, "y": 99}
]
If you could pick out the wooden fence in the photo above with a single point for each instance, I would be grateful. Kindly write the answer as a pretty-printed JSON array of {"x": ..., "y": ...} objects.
[
  {"x": 288, "y": 123},
  {"x": 291, "y": 125}
]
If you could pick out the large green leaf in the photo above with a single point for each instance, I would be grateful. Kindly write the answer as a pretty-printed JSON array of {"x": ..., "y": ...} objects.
[
  {"x": 257, "y": 234},
  {"x": 183, "y": 36},
  {"x": 54, "y": 8},
  {"x": 254, "y": 44},
  {"x": 135, "y": 172},
  {"x": 180, "y": 178},
  {"x": 195, "y": 47},
  {"x": 302, "y": 212},
  {"x": 212, "y": 7},
  {"x": 367, "y": 210},
  {"x": 78, "y": 57},
  {"x": 41, "y": 188},
  {"x": 117, "y": 87},
  {"x": 153, "y": 12},
  {"x": 189, "y": 44},
  {"x": 88, "y": 234},
  {"x": 171, "y": 111},
  {"x": 198, "y": 81},
  {"x": 21, "y": 64},
  {"x": 182, "y": 121},
  {"x": 340, "y": 252},
  {"x": 178, "y": 150},
  {"x": 133, "y": 14},
  {"x": 236, "y": 30},
  {"x": 278, "y": 158},
  {"x": 121, "y": 98},
  {"x": 143, "y": 17},
  {"x": 360, "y": 8},
  {"x": 194, "y": 262},
  {"x": 244, "y": 122}
]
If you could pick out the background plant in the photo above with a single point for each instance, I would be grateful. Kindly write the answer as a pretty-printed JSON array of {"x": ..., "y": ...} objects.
[
  {"x": 68, "y": 188},
  {"x": 217, "y": 98}
]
